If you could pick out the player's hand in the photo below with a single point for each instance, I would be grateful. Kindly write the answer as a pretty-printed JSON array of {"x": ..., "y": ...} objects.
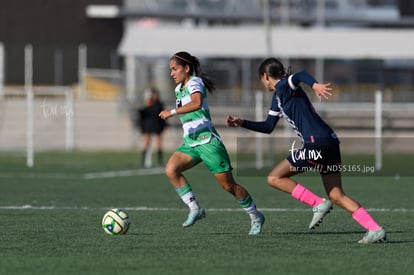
[
  {"x": 165, "y": 114},
  {"x": 322, "y": 90},
  {"x": 233, "y": 121}
]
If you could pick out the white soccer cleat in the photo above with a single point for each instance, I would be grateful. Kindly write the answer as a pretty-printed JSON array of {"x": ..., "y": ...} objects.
[
  {"x": 319, "y": 212},
  {"x": 374, "y": 236},
  {"x": 257, "y": 225},
  {"x": 194, "y": 216}
]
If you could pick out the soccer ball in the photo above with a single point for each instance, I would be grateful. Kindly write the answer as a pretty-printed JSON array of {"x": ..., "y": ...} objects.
[{"x": 115, "y": 222}]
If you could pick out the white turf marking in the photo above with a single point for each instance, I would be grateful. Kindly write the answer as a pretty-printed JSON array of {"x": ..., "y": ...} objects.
[
  {"x": 124, "y": 173},
  {"x": 37, "y": 175},
  {"x": 87, "y": 176},
  {"x": 160, "y": 209}
]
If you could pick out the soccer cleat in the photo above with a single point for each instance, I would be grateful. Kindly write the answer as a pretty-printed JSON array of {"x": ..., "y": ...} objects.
[
  {"x": 374, "y": 236},
  {"x": 319, "y": 212},
  {"x": 257, "y": 224},
  {"x": 194, "y": 216}
]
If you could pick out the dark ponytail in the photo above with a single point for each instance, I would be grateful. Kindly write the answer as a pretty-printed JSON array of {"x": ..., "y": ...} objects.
[
  {"x": 274, "y": 68},
  {"x": 184, "y": 58}
]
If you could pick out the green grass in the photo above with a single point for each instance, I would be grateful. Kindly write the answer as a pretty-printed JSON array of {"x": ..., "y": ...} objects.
[{"x": 58, "y": 232}]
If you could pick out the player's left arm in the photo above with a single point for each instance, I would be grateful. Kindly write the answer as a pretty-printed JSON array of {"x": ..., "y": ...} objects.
[
  {"x": 195, "y": 104},
  {"x": 320, "y": 89}
]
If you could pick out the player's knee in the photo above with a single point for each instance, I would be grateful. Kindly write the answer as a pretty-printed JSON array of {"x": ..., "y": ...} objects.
[
  {"x": 171, "y": 171},
  {"x": 228, "y": 187},
  {"x": 337, "y": 197},
  {"x": 274, "y": 181}
]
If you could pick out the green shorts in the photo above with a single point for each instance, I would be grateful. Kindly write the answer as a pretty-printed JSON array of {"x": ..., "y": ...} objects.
[{"x": 213, "y": 154}]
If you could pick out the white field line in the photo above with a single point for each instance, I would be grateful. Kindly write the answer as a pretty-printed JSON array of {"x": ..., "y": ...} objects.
[
  {"x": 38, "y": 175},
  {"x": 161, "y": 209},
  {"x": 87, "y": 176},
  {"x": 124, "y": 173}
]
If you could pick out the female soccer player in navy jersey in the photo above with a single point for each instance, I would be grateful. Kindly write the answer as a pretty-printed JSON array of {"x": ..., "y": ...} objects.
[{"x": 320, "y": 146}]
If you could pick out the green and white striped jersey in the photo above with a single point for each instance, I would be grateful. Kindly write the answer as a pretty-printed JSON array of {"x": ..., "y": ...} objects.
[{"x": 197, "y": 125}]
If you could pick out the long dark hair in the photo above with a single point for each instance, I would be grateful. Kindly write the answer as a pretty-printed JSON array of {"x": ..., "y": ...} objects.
[
  {"x": 184, "y": 58},
  {"x": 274, "y": 68}
]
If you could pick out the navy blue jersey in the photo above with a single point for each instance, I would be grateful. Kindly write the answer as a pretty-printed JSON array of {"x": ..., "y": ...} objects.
[{"x": 291, "y": 102}]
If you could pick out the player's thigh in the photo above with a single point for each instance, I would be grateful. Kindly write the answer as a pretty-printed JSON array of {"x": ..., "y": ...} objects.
[
  {"x": 215, "y": 156},
  {"x": 179, "y": 162},
  {"x": 333, "y": 185},
  {"x": 283, "y": 170}
]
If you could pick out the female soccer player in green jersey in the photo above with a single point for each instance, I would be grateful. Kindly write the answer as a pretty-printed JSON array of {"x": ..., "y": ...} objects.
[{"x": 202, "y": 143}]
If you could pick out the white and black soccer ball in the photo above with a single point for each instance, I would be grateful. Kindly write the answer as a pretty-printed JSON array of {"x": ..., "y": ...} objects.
[{"x": 115, "y": 222}]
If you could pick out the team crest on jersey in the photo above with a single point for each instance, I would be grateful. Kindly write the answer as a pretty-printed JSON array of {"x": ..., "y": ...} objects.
[{"x": 203, "y": 137}]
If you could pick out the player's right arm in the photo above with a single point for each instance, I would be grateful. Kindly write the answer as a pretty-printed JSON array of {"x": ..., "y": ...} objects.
[{"x": 266, "y": 126}]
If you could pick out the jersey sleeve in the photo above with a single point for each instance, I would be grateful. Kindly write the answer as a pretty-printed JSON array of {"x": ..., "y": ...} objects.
[
  {"x": 295, "y": 79},
  {"x": 196, "y": 85},
  {"x": 269, "y": 124}
]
